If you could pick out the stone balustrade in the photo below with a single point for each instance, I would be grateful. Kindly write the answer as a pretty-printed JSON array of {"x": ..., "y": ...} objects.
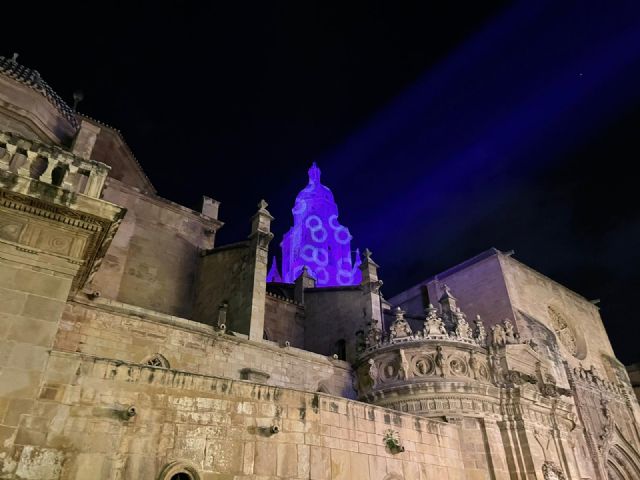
[{"x": 51, "y": 165}]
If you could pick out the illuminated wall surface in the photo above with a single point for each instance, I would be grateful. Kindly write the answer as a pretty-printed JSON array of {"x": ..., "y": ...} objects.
[{"x": 317, "y": 240}]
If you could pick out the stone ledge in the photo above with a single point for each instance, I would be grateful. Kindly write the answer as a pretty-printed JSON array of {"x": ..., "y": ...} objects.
[
  {"x": 98, "y": 368},
  {"x": 113, "y": 306}
]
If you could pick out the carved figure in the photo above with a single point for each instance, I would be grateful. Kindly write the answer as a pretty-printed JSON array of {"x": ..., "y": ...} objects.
[
  {"x": 440, "y": 363},
  {"x": 479, "y": 332},
  {"x": 422, "y": 366},
  {"x": 374, "y": 335},
  {"x": 473, "y": 364},
  {"x": 497, "y": 369},
  {"x": 433, "y": 324},
  {"x": 373, "y": 371},
  {"x": 462, "y": 326},
  {"x": 509, "y": 335},
  {"x": 404, "y": 365},
  {"x": 497, "y": 335},
  {"x": 400, "y": 328},
  {"x": 550, "y": 471}
]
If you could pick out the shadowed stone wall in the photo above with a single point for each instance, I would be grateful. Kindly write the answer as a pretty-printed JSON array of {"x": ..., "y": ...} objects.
[
  {"x": 108, "y": 329},
  {"x": 154, "y": 257},
  {"x": 222, "y": 429},
  {"x": 284, "y": 321}
]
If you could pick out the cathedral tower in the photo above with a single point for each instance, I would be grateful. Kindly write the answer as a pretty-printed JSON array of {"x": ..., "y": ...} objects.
[{"x": 317, "y": 240}]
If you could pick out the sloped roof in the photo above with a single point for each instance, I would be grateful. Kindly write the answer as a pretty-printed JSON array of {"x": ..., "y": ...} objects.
[{"x": 32, "y": 79}]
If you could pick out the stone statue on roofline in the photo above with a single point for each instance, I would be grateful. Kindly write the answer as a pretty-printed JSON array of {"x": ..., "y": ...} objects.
[
  {"x": 498, "y": 335},
  {"x": 374, "y": 335},
  {"x": 462, "y": 328},
  {"x": 400, "y": 327},
  {"x": 479, "y": 332},
  {"x": 433, "y": 324},
  {"x": 509, "y": 335}
]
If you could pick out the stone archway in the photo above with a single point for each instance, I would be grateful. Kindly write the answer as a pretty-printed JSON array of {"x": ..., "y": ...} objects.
[
  {"x": 622, "y": 463},
  {"x": 179, "y": 470}
]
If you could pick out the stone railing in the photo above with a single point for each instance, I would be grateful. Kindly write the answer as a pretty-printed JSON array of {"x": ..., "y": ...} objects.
[{"x": 51, "y": 165}]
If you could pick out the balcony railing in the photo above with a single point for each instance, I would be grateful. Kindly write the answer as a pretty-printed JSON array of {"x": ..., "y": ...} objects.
[{"x": 52, "y": 165}]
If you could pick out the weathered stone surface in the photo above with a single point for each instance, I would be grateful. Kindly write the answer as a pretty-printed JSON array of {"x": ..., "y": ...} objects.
[{"x": 136, "y": 377}]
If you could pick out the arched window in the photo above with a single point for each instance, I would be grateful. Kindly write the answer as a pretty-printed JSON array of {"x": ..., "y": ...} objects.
[
  {"x": 156, "y": 360},
  {"x": 181, "y": 476},
  {"x": 179, "y": 471}
]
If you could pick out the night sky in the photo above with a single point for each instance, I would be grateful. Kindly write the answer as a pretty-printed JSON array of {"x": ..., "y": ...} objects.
[{"x": 441, "y": 130}]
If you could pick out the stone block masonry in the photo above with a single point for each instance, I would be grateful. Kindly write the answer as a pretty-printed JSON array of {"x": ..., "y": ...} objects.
[{"x": 221, "y": 428}]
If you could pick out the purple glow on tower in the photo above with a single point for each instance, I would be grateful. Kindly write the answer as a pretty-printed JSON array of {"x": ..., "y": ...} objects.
[
  {"x": 274, "y": 274},
  {"x": 317, "y": 239}
]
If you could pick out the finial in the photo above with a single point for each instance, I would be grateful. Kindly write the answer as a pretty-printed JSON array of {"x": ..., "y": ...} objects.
[
  {"x": 367, "y": 254},
  {"x": 262, "y": 205},
  {"x": 358, "y": 260},
  {"x": 274, "y": 274},
  {"x": 78, "y": 96},
  {"x": 447, "y": 291},
  {"x": 314, "y": 174},
  {"x": 14, "y": 58}
]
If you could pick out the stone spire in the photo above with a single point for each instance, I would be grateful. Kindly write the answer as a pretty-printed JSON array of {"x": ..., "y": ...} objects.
[
  {"x": 448, "y": 302},
  {"x": 302, "y": 282},
  {"x": 261, "y": 220},
  {"x": 369, "y": 269},
  {"x": 274, "y": 274}
]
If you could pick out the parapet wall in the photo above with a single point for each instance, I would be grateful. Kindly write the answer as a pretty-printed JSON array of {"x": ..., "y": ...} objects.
[
  {"x": 220, "y": 428},
  {"x": 109, "y": 329}
]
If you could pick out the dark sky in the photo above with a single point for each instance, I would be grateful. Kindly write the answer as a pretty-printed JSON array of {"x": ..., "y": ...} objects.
[{"x": 443, "y": 129}]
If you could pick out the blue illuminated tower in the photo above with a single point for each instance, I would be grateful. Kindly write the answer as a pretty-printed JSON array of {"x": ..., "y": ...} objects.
[{"x": 317, "y": 239}]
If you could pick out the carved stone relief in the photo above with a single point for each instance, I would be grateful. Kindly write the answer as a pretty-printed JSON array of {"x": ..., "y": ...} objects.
[{"x": 565, "y": 333}]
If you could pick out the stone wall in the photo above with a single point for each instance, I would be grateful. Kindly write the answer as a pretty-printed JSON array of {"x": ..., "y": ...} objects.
[
  {"x": 221, "y": 429},
  {"x": 31, "y": 303},
  {"x": 334, "y": 315},
  {"x": 478, "y": 286},
  {"x": 225, "y": 276},
  {"x": 28, "y": 113},
  {"x": 109, "y": 329},
  {"x": 153, "y": 259},
  {"x": 284, "y": 320},
  {"x": 570, "y": 316}
]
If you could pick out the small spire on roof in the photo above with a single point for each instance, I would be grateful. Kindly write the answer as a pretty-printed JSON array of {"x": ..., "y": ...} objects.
[
  {"x": 78, "y": 96},
  {"x": 314, "y": 174},
  {"x": 14, "y": 58},
  {"x": 358, "y": 260},
  {"x": 274, "y": 274},
  {"x": 447, "y": 292}
]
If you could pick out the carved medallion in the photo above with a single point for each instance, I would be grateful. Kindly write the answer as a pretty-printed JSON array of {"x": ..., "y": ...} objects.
[
  {"x": 423, "y": 366},
  {"x": 458, "y": 366}
]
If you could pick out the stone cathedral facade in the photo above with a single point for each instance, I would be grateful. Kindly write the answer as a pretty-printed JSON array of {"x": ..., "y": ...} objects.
[{"x": 133, "y": 346}]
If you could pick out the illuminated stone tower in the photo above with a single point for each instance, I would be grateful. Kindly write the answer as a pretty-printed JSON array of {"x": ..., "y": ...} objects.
[{"x": 317, "y": 240}]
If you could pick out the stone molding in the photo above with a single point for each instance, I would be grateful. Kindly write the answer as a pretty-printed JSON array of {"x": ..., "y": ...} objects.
[{"x": 75, "y": 236}]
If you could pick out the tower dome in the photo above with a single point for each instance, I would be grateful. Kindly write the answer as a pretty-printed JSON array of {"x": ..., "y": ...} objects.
[{"x": 317, "y": 240}]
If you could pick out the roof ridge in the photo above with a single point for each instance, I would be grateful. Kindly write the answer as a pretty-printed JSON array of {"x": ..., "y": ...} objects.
[
  {"x": 32, "y": 79},
  {"x": 124, "y": 142}
]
